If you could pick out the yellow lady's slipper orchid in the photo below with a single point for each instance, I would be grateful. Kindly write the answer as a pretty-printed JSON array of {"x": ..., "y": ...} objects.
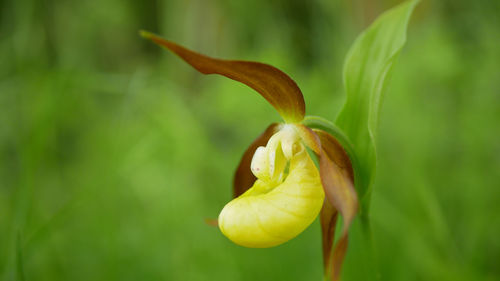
[
  {"x": 278, "y": 189},
  {"x": 281, "y": 203}
]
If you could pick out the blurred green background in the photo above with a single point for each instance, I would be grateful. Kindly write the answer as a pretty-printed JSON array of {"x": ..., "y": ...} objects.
[{"x": 113, "y": 151}]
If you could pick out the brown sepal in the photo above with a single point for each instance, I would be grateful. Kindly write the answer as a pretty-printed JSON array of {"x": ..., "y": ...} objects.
[{"x": 273, "y": 84}]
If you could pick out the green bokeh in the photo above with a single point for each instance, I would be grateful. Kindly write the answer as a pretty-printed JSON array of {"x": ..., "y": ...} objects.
[{"x": 113, "y": 152}]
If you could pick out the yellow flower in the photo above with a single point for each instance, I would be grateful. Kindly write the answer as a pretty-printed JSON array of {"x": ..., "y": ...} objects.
[
  {"x": 281, "y": 203},
  {"x": 278, "y": 190}
]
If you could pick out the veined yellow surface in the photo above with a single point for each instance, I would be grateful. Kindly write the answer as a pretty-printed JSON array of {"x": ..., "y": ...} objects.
[{"x": 272, "y": 212}]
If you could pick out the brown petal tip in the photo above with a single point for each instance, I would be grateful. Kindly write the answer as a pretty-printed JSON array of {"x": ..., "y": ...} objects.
[{"x": 212, "y": 222}]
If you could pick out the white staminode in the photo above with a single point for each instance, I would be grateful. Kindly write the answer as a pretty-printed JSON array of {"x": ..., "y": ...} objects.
[{"x": 268, "y": 163}]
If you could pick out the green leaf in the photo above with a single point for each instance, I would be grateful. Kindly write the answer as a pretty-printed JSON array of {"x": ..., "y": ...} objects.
[
  {"x": 366, "y": 72},
  {"x": 19, "y": 259}
]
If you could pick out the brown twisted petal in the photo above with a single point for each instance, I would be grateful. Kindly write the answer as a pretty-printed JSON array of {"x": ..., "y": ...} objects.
[
  {"x": 336, "y": 152},
  {"x": 338, "y": 257},
  {"x": 328, "y": 219},
  {"x": 332, "y": 262},
  {"x": 336, "y": 177},
  {"x": 243, "y": 177},
  {"x": 337, "y": 181},
  {"x": 339, "y": 189},
  {"x": 273, "y": 84}
]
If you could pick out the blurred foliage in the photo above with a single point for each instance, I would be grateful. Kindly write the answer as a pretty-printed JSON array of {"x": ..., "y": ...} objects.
[{"x": 113, "y": 151}]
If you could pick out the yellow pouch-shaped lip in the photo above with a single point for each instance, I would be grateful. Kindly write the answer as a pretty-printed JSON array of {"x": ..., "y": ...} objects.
[{"x": 266, "y": 215}]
